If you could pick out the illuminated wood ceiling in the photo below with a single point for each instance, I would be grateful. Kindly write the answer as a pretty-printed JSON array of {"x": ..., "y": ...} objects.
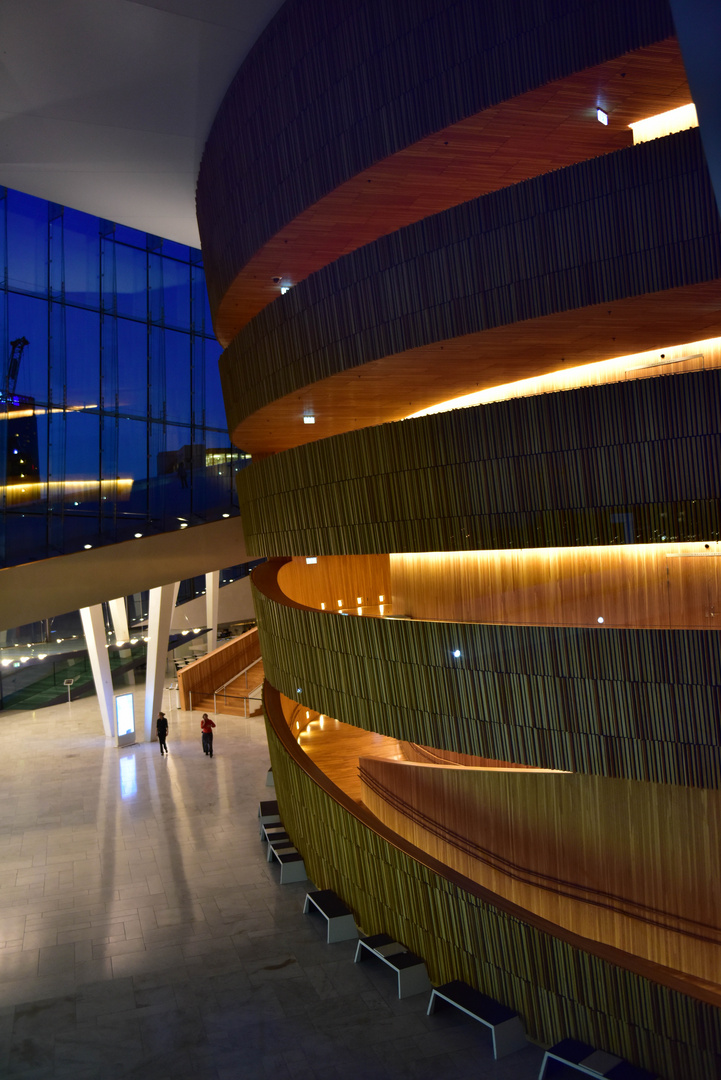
[
  {"x": 395, "y": 386},
  {"x": 546, "y": 129}
]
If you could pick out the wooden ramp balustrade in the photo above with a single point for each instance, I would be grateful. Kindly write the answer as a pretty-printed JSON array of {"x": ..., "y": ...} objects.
[
  {"x": 231, "y": 674},
  {"x": 630, "y": 864}
]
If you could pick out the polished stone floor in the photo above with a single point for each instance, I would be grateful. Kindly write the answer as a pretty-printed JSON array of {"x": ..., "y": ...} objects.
[{"x": 143, "y": 935}]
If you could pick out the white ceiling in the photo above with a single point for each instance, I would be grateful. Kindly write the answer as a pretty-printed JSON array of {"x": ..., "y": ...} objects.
[{"x": 105, "y": 105}]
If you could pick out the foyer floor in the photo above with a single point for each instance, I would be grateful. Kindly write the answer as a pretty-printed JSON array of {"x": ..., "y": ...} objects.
[{"x": 144, "y": 936}]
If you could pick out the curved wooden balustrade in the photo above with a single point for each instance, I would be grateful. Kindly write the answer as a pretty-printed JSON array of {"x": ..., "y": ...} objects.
[
  {"x": 638, "y": 704},
  {"x": 495, "y": 285},
  {"x": 584, "y": 852},
  {"x": 571, "y": 469},
  {"x": 464, "y": 930},
  {"x": 392, "y": 118}
]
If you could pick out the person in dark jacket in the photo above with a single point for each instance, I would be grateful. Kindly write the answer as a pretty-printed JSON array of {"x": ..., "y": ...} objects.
[
  {"x": 161, "y": 726},
  {"x": 206, "y": 726}
]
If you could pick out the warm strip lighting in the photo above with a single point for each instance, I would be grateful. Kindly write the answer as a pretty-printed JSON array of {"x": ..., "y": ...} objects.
[
  {"x": 692, "y": 355},
  {"x": 359, "y": 599},
  {"x": 322, "y": 607},
  {"x": 86, "y": 490},
  {"x": 381, "y": 608},
  {"x": 24, "y": 414},
  {"x": 340, "y": 603},
  {"x": 359, "y": 610},
  {"x": 665, "y": 123}
]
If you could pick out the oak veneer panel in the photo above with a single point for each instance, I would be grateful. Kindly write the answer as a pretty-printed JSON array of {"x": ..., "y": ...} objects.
[
  {"x": 335, "y": 578},
  {"x": 649, "y": 585},
  {"x": 559, "y": 982},
  {"x": 370, "y": 80},
  {"x": 633, "y": 865},
  {"x": 638, "y": 222},
  {"x": 207, "y": 673},
  {"x": 634, "y": 704},
  {"x": 577, "y": 468}
]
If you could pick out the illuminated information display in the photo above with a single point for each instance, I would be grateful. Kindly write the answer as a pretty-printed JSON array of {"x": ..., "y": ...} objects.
[{"x": 125, "y": 719}]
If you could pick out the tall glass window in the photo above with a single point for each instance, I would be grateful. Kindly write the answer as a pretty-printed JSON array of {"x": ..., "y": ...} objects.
[{"x": 111, "y": 413}]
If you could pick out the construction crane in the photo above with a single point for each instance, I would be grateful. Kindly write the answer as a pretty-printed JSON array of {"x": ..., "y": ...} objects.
[{"x": 17, "y": 348}]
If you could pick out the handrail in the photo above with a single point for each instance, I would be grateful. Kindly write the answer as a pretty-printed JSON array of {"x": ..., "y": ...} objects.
[{"x": 243, "y": 672}]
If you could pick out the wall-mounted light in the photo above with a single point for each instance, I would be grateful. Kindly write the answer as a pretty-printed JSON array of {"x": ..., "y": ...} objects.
[
  {"x": 381, "y": 607},
  {"x": 456, "y": 653},
  {"x": 309, "y": 419},
  {"x": 311, "y": 560},
  {"x": 138, "y": 535},
  {"x": 307, "y": 715},
  {"x": 381, "y": 599},
  {"x": 322, "y": 607},
  {"x": 602, "y": 117},
  {"x": 184, "y": 525},
  {"x": 226, "y": 515},
  {"x": 88, "y": 547},
  {"x": 600, "y": 618},
  {"x": 359, "y": 610},
  {"x": 284, "y": 289},
  {"x": 340, "y": 603}
]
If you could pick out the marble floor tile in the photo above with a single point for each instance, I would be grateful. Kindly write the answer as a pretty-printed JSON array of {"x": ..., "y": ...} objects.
[{"x": 143, "y": 936}]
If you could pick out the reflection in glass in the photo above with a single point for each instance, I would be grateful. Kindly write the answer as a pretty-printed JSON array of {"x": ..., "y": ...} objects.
[{"x": 115, "y": 409}]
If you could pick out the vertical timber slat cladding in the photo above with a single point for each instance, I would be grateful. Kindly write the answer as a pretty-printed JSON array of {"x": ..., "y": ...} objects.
[
  {"x": 330, "y": 89},
  {"x": 551, "y": 979},
  {"x": 634, "y": 704},
  {"x": 633, "y": 223},
  {"x": 636, "y": 461},
  {"x": 634, "y": 865}
]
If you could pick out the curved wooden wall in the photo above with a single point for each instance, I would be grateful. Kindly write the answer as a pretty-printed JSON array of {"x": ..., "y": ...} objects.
[
  {"x": 596, "y": 233},
  {"x": 634, "y": 704},
  {"x": 329, "y": 90},
  {"x": 625, "y": 585},
  {"x": 558, "y": 981},
  {"x": 556, "y": 470},
  {"x": 584, "y": 852}
]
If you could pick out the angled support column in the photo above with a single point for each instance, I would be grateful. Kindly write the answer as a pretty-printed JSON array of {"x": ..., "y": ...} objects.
[
  {"x": 94, "y": 630},
  {"x": 160, "y": 613},
  {"x": 212, "y": 587},
  {"x": 119, "y": 615}
]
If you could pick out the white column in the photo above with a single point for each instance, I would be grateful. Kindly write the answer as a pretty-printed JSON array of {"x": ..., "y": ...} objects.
[
  {"x": 94, "y": 630},
  {"x": 212, "y": 587},
  {"x": 119, "y": 615},
  {"x": 160, "y": 613}
]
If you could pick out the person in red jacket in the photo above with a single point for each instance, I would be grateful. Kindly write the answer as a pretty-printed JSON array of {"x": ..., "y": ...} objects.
[{"x": 206, "y": 726}]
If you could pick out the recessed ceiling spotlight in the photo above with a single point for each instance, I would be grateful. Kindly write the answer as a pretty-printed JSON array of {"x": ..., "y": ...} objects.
[{"x": 602, "y": 117}]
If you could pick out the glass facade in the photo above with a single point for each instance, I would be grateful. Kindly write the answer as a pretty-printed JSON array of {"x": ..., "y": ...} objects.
[{"x": 112, "y": 421}]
